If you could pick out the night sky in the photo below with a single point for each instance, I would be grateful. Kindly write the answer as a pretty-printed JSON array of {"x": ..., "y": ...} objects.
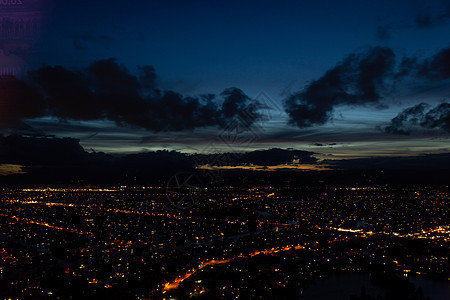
[{"x": 337, "y": 79}]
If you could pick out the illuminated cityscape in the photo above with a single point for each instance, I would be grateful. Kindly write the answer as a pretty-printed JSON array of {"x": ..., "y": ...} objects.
[{"x": 130, "y": 242}]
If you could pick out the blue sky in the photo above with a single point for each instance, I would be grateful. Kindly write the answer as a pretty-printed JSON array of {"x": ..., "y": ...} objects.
[
  {"x": 204, "y": 46},
  {"x": 278, "y": 48}
]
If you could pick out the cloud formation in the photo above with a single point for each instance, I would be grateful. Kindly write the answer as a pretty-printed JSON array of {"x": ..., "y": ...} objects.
[
  {"x": 50, "y": 158},
  {"x": 359, "y": 79},
  {"x": 31, "y": 151},
  {"x": 405, "y": 120},
  {"x": 421, "y": 116},
  {"x": 64, "y": 159},
  {"x": 428, "y": 14},
  {"x": 437, "y": 67},
  {"x": 107, "y": 90},
  {"x": 363, "y": 79},
  {"x": 427, "y": 17},
  {"x": 18, "y": 100},
  {"x": 28, "y": 160}
]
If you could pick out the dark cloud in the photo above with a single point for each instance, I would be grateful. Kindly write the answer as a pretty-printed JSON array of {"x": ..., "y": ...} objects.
[
  {"x": 236, "y": 103},
  {"x": 24, "y": 129},
  {"x": 18, "y": 99},
  {"x": 438, "y": 67},
  {"x": 323, "y": 145},
  {"x": 428, "y": 17},
  {"x": 408, "y": 66},
  {"x": 438, "y": 117},
  {"x": 404, "y": 122},
  {"x": 64, "y": 158},
  {"x": 358, "y": 80},
  {"x": 366, "y": 78},
  {"x": 427, "y": 74},
  {"x": 31, "y": 151},
  {"x": 106, "y": 90},
  {"x": 46, "y": 151},
  {"x": 421, "y": 116}
]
